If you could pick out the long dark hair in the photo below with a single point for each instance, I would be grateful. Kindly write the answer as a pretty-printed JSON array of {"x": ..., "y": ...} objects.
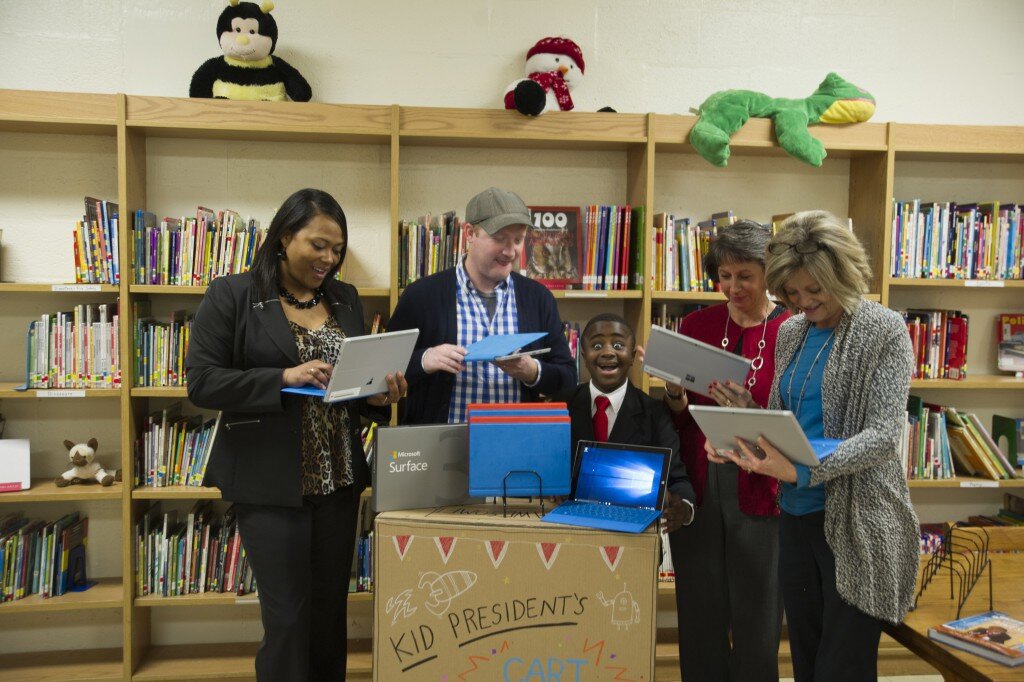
[{"x": 294, "y": 214}]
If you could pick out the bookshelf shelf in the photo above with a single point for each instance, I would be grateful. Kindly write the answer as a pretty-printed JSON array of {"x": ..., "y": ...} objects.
[
  {"x": 573, "y": 294},
  {"x": 272, "y": 121},
  {"x": 222, "y": 599},
  {"x": 688, "y": 296},
  {"x": 7, "y": 391},
  {"x": 968, "y": 482},
  {"x": 508, "y": 129},
  {"x": 230, "y": 660},
  {"x": 82, "y": 665},
  {"x": 69, "y": 288},
  {"x": 988, "y": 285},
  {"x": 159, "y": 392},
  {"x": 995, "y": 382},
  {"x": 176, "y": 492},
  {"x": 45, "y": 490},
  {"x": 179, "y": 290},
  {"x": 956, "y": 143},
  {"x": 58, "y": 112},
  {"x": 107, "y": 593}
]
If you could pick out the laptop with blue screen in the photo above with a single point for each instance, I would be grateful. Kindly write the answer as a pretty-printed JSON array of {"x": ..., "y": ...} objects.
[{"x": 616, "y": 487}]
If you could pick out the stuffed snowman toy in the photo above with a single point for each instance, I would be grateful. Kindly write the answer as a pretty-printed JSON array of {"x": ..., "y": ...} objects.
[{"x": 554, "y": 67}]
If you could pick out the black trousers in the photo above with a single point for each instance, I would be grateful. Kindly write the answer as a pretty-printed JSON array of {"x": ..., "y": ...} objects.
[
  {"x": 831, "y": 641},
  {"x": 302, "y": 560},
  {"x": 727, "y": 588}
]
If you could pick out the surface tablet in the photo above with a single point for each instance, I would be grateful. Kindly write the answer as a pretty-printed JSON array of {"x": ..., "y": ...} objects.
[
  {"x": 363, "y": 363},
  {"x": 722, "y": 425},
  {"x": 690, "y": 363}
]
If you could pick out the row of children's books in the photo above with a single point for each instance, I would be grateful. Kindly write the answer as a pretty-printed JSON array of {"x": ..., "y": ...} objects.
[
  {"x": 613, "y": 254},
  {"x": 41, "y": 557},
  {"x": 95, "y": 244},
  {"x": 940, "y": 442},
  {"x": 174, "y": 450},
  {"x": 192, "y": 251},
  {"x": 946, "y": 240},
  {"x": 939, "y": 340},
  {"x": 78, "y": 348},
  {"x": 427, "y": 245},
  {"x": 680, "y": 248},
  {"x": 177, "y": 554},
  {"x": 160, "y": 347}
]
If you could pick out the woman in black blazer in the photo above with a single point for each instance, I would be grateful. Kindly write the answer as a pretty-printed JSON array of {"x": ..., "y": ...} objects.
[{"x": 292, "y": 465}]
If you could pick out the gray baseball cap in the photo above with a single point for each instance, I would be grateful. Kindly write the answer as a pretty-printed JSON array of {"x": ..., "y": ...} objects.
[{"x": 496, "y": 208}]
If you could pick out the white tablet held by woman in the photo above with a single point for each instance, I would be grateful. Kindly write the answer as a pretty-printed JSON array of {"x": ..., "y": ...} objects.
[
  {"x": 691, "y": 363},
  {"x": 722, "y": 425}
]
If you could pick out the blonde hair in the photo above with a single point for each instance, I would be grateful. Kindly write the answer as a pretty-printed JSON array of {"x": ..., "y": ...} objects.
[{"x": 838, "y": 262}]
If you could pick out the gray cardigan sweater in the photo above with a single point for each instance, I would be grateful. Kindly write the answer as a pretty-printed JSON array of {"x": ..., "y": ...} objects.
[{"x": 870, "y": 523}]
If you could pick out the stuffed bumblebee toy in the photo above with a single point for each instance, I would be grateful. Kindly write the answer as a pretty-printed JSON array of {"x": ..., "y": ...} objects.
[{"x": 248, "y": 70}]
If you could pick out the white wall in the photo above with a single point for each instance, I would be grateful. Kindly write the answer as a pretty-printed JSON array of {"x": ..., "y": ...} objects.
[{"x": 927, "y": 61}]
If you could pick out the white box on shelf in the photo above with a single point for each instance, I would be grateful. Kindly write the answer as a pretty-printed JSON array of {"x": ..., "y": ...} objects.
[{"x": 14, "y": 465}]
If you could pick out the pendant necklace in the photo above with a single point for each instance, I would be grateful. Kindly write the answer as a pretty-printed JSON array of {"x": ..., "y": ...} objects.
[
  {"x": 810, "y": 371},
  {"x": 758, "y": 361}
]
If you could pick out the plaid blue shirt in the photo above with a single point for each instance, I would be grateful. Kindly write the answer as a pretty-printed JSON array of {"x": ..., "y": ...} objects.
[{"x": 482, "y": 382}]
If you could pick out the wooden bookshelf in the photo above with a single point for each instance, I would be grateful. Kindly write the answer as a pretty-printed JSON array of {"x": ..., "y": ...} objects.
[
  {"x": 45, "y": 490},
  {"x": 107, "y": 593},
  {"x": 181, "y": 290},
  {"x": 994, "y": 382},
  {"x": 80, "y": 665},
  {"x": 159, "y": 392},
  {"x": 870, "y": 152},
  {"x": 986, "y": 284},
  {"x": 176, "y": 492},
  {"x": 969, "y": 482},
  {"x": 222, "y": 599},
  {"x": 69, "y": 288},
  {"x": 7, "y": 390}
]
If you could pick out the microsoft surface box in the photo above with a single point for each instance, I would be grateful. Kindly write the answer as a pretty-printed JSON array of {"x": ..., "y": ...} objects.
[
  {"x": 722, "y": 425},
  {"x": 617, "y": 487},
  {"x": 363, "y": 362},
  {"x": 418, "y": 467},
  {"x": 691, "y": 363}
]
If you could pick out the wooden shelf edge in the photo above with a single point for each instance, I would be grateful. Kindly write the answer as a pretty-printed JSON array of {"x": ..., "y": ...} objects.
[
  {"x": 987, "y": 284},
  {"x": 991, "y": 382},
  {"x": 83, "y": 665},
  {"x": 7, "y": 391},
  {"x": 57, "y": 287},
  {"x": 107, "y": 593},
  {"x": 159, "y": 392},
  {"x": 967, "y": 482},
  {"x": 221, "y": 599},
  {"x": 45, "y": 490},
  {"x": 176, "y": 492}
]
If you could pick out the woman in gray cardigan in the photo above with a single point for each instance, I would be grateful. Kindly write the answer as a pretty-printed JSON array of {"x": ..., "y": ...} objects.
[{"x": 848, "y": 535}]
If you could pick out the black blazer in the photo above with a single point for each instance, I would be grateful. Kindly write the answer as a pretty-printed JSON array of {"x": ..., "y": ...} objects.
[
  {"x": 236, "y": 352},
  {"x": 429, "y": 305},
  {"x": 641, "y": 420}
]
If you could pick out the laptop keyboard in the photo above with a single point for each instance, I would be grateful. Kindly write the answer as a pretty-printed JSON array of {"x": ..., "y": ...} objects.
[{"x": 601, "y": 511}]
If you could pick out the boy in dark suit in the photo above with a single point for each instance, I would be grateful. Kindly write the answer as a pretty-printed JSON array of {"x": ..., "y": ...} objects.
[{"x": 610, "y": 408}]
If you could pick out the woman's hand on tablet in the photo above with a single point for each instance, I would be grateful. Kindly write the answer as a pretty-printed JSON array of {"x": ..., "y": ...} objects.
[
  {"x": 713, "y": 454},
  {"x": 773, "y": 463},
  {"x": 730, "y": 394},
  {"x": 397, "y": 387},
  {"x": 313, "y": 373}
]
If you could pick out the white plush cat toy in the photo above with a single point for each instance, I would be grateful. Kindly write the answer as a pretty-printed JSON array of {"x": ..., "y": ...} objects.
[
  {"x": 554, "y": 67},
  {"x": 83, "y": 468}
]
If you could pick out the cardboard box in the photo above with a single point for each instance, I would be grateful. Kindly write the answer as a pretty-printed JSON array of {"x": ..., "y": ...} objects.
[{"x": 464, "y": 594}]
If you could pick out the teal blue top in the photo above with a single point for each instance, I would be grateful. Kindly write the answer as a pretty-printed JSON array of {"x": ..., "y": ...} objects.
[{"x": 804, "y": 498}]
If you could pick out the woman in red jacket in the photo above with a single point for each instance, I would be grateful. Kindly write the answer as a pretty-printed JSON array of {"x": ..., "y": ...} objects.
[{"x": 726, "y": 560}]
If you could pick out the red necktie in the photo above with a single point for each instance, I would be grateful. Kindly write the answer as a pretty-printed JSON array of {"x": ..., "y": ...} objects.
[{"x": 601, "y": 402}]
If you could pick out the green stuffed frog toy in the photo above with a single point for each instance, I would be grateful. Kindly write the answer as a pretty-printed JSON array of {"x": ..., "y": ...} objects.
[{"x": 723, "y": 113}]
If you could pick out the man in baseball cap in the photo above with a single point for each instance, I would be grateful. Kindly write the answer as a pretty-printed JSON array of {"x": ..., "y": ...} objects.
[{"x": 482, "y": 296}]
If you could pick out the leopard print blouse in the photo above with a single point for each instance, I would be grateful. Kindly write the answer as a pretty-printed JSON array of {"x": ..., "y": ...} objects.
[{"x": 326, "y": 433}]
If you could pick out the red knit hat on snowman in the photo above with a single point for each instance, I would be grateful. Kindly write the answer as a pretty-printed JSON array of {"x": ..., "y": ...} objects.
[{"x": 554, "y": 66}]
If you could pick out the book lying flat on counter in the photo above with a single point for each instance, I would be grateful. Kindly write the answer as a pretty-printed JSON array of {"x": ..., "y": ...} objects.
[{"x": 992, "y": 635}]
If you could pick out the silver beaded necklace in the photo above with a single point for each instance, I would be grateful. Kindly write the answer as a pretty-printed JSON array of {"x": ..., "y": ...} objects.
[
  {"x": 758, "y": 361},
  {"x": 810, "y": 371}
]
